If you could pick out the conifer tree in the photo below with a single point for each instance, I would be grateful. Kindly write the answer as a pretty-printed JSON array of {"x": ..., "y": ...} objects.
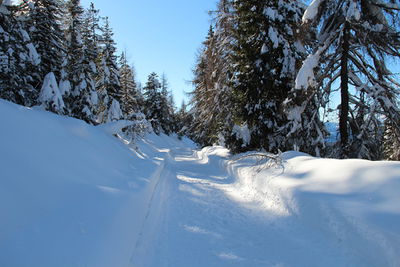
[
  {"x": 83, "y": 98},
  {"x": 130, "y": 95},
  {"x": 152, "y": 108},
  {"x": 391, "y": 143},
  {"x": 206, "y": 124},
  {"x": 90, "y": 36},
  {"x": 107, "y": 80},
  {"x": 265, "y": 58},
  {"x": 18, "y": 59},
  {"x": 167, "y": 120},
  {"x": 212, "y": 97},
  {"x": 44, "y": 19},
  {"x": 108, "y": 69},
  {"x": 355, "y": 38},
  {"x": 183, "y": 121}
]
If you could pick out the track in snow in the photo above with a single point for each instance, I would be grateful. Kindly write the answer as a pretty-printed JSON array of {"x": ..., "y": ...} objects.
[{"x": 192, "y": 220}]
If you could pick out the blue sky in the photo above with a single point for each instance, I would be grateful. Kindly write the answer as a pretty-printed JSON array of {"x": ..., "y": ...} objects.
[{"x": 159, "y": 35}]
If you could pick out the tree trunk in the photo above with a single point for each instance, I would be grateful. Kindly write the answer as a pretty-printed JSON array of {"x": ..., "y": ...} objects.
[{"x": 344, "y": 89}]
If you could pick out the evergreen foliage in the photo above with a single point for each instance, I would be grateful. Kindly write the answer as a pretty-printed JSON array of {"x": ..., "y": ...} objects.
[
  {"x": 83, "y": 97},
  {"x": 44, "y": 24},
  {"x": 265, "y": 57},
  {"x": 152, "y": 94},
  {"x": 18, "y": 59},
  {"x": 108, "y": 68},
  {"x": 355, "y": 38},
  {"x": 212, "y": 97},
  {"x": 167, "y": 119},
  {"x": 130, "y": 94},
  {"x": 159, "y": 109}
]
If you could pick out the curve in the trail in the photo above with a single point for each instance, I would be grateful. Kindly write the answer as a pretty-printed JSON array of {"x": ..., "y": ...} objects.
[{"x": 195, "y": 216}]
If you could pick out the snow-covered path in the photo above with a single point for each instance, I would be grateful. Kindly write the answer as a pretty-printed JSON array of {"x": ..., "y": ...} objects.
[
  {"x": 72, "y": 194},
  {"x": 197, "y": 218}
]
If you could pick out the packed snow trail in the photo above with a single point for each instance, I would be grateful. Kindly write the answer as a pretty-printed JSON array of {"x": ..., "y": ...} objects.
[{"x": 198, "y": 218}]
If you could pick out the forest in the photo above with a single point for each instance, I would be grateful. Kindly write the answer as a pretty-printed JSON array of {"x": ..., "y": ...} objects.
[{"x": 269, "y": 76}]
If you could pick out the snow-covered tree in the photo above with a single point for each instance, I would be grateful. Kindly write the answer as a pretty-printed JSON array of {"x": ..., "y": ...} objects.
[
  {"x": 83, "y": 98},
  {"x": 355, "y": 38},
  {"x": 44, "y": 19},
  {"x": 152, "y": 108},
  {"x": 18, "y": 59},
  {"x": 114, "y": 112},
  {"x": 50, "y": 97},
  {"x": 211, "y": 100},
  {"x": 107, "y": 66},
  {"x": 130, "y": 94},
  {"x": 184, "y": 121},
  {"x": 391, "y": 143},
  {"x": 167, "y": 120},
  {"x": 266, "y": 53},
  {"x": 107, "y": 81},
  {"x": 91, "y": 35}
]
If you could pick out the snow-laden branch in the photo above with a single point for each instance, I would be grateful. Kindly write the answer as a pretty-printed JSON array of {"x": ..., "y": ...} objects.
[{"x": 311, "y": 11}]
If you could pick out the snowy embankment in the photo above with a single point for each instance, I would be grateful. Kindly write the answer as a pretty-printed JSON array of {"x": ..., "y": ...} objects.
[
  {"x": 73, "y": 195},
  {"x": 328, "y": 212}
]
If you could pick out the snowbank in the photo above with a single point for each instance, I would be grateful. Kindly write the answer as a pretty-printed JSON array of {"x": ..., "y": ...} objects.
[
  {"x": 70, "y": 194},
  {"x": 349, "y": 206}
]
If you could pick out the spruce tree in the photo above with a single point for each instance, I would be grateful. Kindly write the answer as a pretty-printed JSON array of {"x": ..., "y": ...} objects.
[
  {"x": 107, "y": 81},
  {"x": 18, "y": 59},
  {"x": 90, "y": 36},
  {"x": 130, "y": 94},
  {"x": 83, "y": 97},
  {"x": 108, "y": 69},
  {"x": 152, "y": 108},
  {"x": 44, "y": 19},
  {"x": 265, "y": 58}
]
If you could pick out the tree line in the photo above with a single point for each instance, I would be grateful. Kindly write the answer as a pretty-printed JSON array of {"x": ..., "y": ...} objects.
[
  {"x": 57, "y": 55},
  {"x": 271, "y": 72}
]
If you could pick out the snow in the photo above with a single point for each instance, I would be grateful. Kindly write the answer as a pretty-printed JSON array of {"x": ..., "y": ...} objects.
[
  {"x": 7, "y": 2},
  {"x": 115, "y": 127},
  {"x": 271, "y": 13},
  {"x": 352, "y": 11},
  {"x": 242, "y": 133},
  {"x": 311, "y": 11},
  {"x": 114, "y": 113},
  {"x": 33, "y": 54},
  {"x": 72, "y": 194},
  {"x": 4, "y": 10},
  {"x": 50, "y": 93},
  {"x": 273, "y": 36},
  {"x": 294, "y": 114},
  {"x": 65, "y": 87},
  {"x": 264, "y": 49},
  {"x": 305, "y": 77}
]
